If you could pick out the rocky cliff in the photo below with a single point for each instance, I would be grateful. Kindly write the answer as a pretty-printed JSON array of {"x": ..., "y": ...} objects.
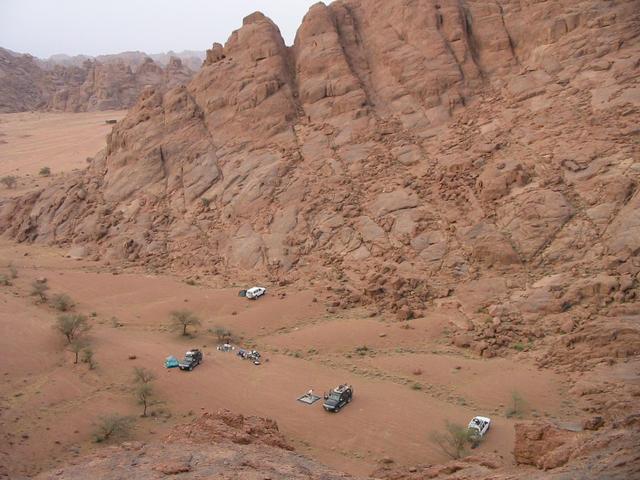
[
  {"x": 479, "y": 156},
  {"x": 93, "y": 85}
]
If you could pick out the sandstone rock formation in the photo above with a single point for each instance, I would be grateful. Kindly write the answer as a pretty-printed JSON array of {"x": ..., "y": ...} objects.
[
  {"x": 394, "y": 141},
  {"x": 93, "y": 85}
]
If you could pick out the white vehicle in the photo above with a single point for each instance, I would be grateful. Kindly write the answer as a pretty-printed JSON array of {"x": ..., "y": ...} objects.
[
  {"x": 479, "y": 426},
  {"x": 255, "y": 292}
]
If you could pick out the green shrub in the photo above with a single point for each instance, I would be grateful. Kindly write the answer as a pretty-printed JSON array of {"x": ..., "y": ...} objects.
[
  {"x": 9, "y": 181},
  {"x": 13, "y": 271},
  {"x": 112, "y": 426},
  {"x": 62, "y": 302},
  {"x": 87, "y": 357},
  {"x": 39, "y": 289},
  {"x": 517, "y": 407},
  {"x": 455, "y": 440}
]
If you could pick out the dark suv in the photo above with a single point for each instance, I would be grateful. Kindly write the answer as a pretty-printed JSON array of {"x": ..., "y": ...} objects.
[
  {"x": 338, "y": 398},
  {"x": 192, "y": 359}
]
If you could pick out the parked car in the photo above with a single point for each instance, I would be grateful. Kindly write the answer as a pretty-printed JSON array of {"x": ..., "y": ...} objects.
[
  {"x": 191, "y": 360},
  {"x": 338, "y": 398},
  {"x": 479, "y": 426},
  {"x": 255, "y": 292}
]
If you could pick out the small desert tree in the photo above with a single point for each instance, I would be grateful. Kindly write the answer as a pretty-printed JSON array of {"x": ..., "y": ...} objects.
[
  {"x": 75, "y": 346},
  {"x": 111, "y": 426},
  {"x": 62, "y": 302},
  {"x": 181, "y": 319},
  {"x": 45, "y": 171},
  {"x": 145, "y": 394},
  {"x": 454, "y": 440},
  {"x": 9, "y": 181},
  {"x": 72, "y": 326},
  {"x": 39, "y": 290},
  {"x": 143, "y": 388}
]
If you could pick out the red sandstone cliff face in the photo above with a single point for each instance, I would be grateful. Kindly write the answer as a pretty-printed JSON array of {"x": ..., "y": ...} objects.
[
  {"x": 480, "y": 156},
  {"x": 92, "y": 86}
]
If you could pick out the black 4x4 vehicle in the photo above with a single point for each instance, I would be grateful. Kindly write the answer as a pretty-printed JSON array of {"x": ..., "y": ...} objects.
[
  {"x": 338, "y": 398},
  {"x": 192, "y": 359}
]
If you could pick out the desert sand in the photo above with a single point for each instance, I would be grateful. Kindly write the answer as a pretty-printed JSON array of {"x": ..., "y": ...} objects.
[{"x": 61, "y": 141}]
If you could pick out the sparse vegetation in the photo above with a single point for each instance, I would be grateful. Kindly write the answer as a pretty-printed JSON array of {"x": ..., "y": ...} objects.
[
  {"x": 87, "y": 357},
  {"x": 455, "y": 440},
  {"x": 45, "y": 172},
  {"x": 224, "y": 335},
  {"x": 517, "y": 407},
  {"x": 182, "y": 319},
  {"x": 205, "y": 202},
  {"x": 363, "y": 350},
  {"x": 39, "y": 289},
  {"x": 416, "y": 386},
  {"x": 111, "y": 426},
  {"x": 75, "y": 346},
  {"x": 142, "y": 375},
  {"x": 4, "y": 280},
  {"x": 143, "y": 388},
  {"x": 190, "y": 281},
  {"x": 72, "y": 326},
  {"x": 13, "y": 271},
  {"x": 62, "y": 302},
  {"x": 9, "y": 181},
  {"x": 519, "y": 347},
  {"x": 145, "y": 395}
]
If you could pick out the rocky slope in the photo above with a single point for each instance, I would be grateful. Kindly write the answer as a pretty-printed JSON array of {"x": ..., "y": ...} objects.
[
  {"x": 221, "y": 445},
  {"x": 93, "y": 85}
]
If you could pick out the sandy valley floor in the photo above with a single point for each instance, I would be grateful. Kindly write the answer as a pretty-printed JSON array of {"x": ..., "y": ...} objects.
[{"x": 61, "y": 141}]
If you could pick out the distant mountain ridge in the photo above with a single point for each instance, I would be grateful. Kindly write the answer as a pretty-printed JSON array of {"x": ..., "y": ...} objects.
[
  {"x": 81, "y": 83},
  {"x": 190, "y": 58}
]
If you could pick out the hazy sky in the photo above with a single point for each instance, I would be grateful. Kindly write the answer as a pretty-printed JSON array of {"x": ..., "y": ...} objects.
[{"x": 94, "y": 27}]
